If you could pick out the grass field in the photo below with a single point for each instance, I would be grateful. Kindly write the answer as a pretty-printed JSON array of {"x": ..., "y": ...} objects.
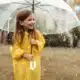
[{"x": 57, "y": 63}]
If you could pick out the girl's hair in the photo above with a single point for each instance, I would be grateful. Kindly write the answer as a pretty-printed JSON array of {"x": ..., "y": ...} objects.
[{"x": 19, "y": 34}]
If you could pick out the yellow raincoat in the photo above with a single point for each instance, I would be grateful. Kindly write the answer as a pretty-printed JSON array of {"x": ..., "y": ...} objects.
[{"x": 21, "y": 66}]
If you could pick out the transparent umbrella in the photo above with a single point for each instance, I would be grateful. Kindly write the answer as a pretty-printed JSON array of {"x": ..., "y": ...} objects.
[{"x": 51, "y": 16}]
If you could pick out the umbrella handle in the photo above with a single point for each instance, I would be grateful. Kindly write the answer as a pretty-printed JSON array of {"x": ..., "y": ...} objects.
[{"x": 33, "y": 36}]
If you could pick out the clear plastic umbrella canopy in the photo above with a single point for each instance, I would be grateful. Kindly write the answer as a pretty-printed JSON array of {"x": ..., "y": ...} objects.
[{"x": 51, "y": 16}]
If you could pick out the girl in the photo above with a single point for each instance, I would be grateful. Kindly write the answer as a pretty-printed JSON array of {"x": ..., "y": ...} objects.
[{"x": 27, "y": 45}]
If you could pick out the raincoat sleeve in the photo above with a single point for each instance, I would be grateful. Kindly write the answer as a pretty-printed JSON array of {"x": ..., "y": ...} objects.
[
  {"x": 16, "y": 51},
  {"x": 40, "y": 41}
]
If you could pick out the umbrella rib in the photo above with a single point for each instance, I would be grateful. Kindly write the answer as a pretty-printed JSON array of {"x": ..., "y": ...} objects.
[
  {"x": 14, "y": 12},
  {"x": 10, "y": 16},
  {"x": 23, "y": 7},
  {"x": 2, "y": 5},
  {"x": 45, "y": 5},
  {"x": 42, "y": 9},
  {"x": 27, "y": 2},
  {"x": 31, "y": 3},
  {"x": 37, "y": 3},
  {"x": 19, "y": 3},
  {"x": 17, "y": 9},
  {"x": 14, "y": 3}
]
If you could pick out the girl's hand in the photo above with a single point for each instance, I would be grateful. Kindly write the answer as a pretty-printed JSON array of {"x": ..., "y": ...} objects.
[
  {"x": 28, "y": 56},
  {"x": 33, "y": 42}
]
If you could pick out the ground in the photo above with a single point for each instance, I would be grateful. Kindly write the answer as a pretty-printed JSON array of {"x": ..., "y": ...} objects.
[{"x": 57, "y": 63}]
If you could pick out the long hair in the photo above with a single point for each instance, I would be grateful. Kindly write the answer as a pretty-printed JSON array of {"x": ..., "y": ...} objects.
[{"x": 21, "y": 16}]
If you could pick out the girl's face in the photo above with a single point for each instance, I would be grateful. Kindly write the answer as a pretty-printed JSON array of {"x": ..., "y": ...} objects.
[{"x": 29, "y": 22}]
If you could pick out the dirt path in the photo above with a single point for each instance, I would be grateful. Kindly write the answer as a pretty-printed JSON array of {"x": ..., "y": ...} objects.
[{"x": 57, "y": 63}]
